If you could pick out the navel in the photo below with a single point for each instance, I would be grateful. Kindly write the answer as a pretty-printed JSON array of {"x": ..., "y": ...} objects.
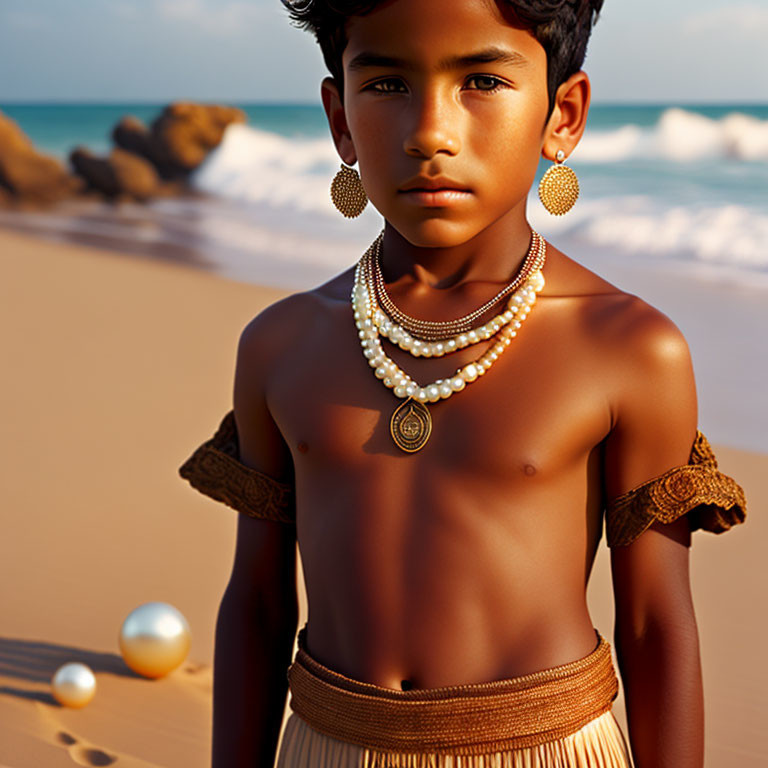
[{"x": 529, "y": 470}]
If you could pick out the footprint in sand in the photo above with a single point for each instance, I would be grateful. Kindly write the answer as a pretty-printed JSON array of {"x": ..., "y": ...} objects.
[
  {"x": 90, "y": 756},
  {"x": 84, "y": 755}
]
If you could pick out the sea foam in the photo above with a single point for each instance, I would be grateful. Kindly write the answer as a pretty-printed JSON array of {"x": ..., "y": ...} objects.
[{"x": 679, "y": 136}]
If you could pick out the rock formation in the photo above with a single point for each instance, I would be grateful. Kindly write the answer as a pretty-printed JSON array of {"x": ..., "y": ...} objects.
[
  {"x": 146, "y": 162},
  {"x": 29, "y": 178}
]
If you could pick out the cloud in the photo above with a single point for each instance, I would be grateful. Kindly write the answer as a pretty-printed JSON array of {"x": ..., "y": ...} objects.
[
  {"x": 743, "y": 22},
  {"x": 227, "y": 18}
]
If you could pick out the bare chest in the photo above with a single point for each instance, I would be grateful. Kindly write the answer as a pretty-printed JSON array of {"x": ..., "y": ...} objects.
[{"x": 541, "y": 407}]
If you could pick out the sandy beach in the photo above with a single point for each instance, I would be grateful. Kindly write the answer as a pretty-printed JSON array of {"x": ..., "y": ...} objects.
[{"x": 115, "y": 367}]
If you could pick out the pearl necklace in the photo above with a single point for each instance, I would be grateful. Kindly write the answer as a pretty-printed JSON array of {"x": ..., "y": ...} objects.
[
  {"x": 419, "y": 347},
  {"x": 411, "y": 422},
  {"x": 432, "y": 330}
]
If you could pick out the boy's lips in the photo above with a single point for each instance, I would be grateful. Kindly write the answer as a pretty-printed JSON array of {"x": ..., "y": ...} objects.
[
  {"x": 435, "y": 191},
  {"x": 433, "y": 183}
]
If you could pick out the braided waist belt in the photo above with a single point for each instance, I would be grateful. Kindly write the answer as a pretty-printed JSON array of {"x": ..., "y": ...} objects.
[{"x": 461, "y": 719}]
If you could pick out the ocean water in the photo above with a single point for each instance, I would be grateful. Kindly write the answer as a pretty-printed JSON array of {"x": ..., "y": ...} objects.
[{"x": 673, "y": 207}]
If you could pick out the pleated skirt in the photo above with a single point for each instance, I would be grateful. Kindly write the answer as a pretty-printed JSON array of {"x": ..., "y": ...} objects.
[{"x": 599, "y": 743}]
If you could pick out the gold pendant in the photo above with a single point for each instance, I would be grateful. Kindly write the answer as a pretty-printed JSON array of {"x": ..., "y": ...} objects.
[{"x": 411, "y": 425}]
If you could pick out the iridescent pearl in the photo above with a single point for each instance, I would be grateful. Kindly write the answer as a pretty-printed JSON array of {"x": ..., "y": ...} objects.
[
  {"x": 457, "y": 383},
  {"x": 445, "y": 390},
  {"x": 400, "y": 390},
  {"x": 433, "y": 393}
]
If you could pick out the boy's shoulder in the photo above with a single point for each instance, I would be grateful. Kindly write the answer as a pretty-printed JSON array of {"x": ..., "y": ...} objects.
[
  {"x": 290, "y": 317},
  {"x": 608, "y": 312}
]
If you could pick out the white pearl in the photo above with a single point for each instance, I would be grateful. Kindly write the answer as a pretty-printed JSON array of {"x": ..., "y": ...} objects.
[
  {"x": 380, "y": 372},
  {"x": 388, "y": 382},
  {"x": 369, "y": 353},
  {"x": 472, "y": 336},
  {"x": 457, "y": 383},
  {"x": 400, "y": 390},
  {"x": 439, "y": 349},
  {"x": 421, "y": 395},
  {"x": 518, "y": 300},
  {"x": 462, "y": 340},
  {"x": 433, "y": 393},
  {"x": 469, "y": 372},
  {"x": 411, "y": 389},
  {"x": 450, "y": 346},
  {"x": 445, "y": 390},
  {"x": 495, "y": 327}
]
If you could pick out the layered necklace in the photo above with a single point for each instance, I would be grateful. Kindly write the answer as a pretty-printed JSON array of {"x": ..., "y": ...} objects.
[{"x": 377, "y": 315}]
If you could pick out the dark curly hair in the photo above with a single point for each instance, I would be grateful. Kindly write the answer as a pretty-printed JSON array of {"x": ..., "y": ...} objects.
[{"x": 561, "y": 26}]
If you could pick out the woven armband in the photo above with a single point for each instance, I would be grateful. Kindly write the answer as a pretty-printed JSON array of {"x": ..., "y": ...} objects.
[
  {"x": 215, "y": 470},
  {"x": 713, "y": 501}
]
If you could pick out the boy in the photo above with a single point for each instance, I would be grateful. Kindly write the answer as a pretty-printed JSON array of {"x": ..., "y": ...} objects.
[{"x": 446, "y": 546}]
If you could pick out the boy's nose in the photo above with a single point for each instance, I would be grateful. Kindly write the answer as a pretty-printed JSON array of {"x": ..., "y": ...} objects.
[{"x": 433, "y": 127}]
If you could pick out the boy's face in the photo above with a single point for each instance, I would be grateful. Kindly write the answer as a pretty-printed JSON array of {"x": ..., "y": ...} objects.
[{"x": 444, "y": 88}]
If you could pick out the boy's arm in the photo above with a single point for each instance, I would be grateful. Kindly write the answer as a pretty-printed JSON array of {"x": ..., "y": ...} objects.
[
  {"x": 656, "y": 637},
  {"x": 258, "y": 616}
]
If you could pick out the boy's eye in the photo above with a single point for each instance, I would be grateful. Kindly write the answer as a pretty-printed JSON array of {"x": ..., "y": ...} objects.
[
  {"x": 485, "y": 82},
  {"x": 385, "y": 86}
]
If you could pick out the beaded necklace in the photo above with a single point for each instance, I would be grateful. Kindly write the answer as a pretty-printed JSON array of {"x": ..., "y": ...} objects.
[
  {"x": 432, "y": 330},
  {"x": 411, "y": 422}
]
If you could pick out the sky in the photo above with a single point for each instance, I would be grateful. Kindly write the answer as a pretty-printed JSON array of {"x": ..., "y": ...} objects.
[{"x": 660, "y": 51}]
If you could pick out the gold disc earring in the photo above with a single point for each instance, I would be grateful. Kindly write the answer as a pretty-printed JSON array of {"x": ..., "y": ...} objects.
[
  {"x": 559, "y": 187},
  {"x": 347, "y": 192}
]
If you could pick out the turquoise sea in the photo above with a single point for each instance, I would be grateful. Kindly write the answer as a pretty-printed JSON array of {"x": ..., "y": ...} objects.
[{"x": 673, "y": 207}]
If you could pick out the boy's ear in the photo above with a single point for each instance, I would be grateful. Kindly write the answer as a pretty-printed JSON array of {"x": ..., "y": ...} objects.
[
  {"x": 337, "y": 120},
  {"x": 568, "y": 120}
]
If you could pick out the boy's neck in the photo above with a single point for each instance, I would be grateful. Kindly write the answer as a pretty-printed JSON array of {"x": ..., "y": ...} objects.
[{"x": 494, "y": 255}]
